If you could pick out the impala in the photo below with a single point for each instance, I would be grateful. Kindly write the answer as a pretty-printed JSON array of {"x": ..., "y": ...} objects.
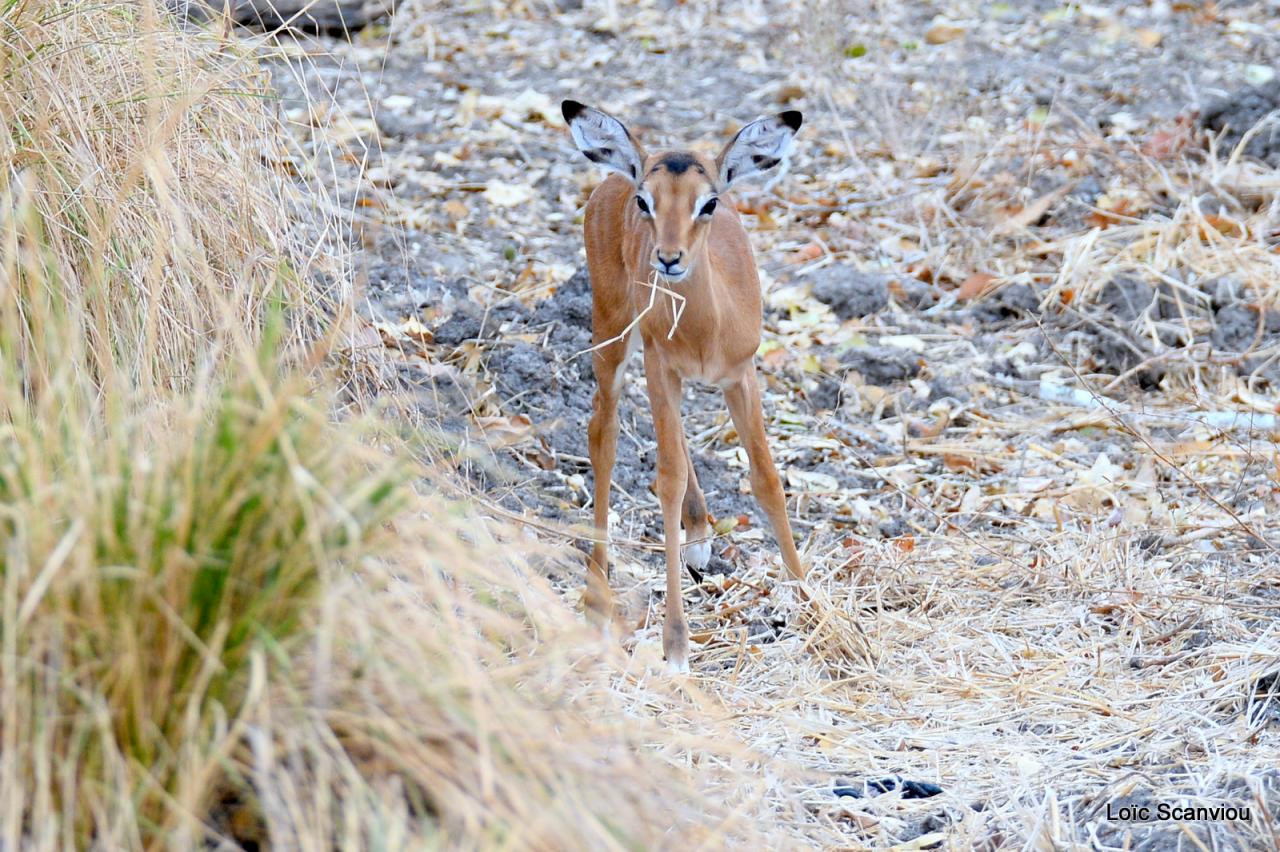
[{"x": 672, "y": 271}]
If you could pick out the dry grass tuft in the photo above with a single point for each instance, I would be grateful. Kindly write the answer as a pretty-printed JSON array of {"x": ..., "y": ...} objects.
[
  {"x": 156, "y": 550},
  {"x": 146, "y": 150}
]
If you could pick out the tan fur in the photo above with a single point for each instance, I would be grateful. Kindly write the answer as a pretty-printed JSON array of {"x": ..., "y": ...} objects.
[{"x": 715, "y": 340}]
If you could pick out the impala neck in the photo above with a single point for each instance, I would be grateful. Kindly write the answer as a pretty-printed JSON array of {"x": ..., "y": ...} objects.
[{"x": 700, "y": 277}]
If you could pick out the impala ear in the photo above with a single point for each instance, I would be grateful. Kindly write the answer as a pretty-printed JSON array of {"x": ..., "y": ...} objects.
[
  {"x": 758, "y": 147},
  {"x": 603, "y": 139}
]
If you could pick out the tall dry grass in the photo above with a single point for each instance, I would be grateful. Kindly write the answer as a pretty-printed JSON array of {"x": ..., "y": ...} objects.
[
  {"x": 156, "y": 551},
  {"x": 225, "y": 619},
  {"x": 148, "y": 152}
]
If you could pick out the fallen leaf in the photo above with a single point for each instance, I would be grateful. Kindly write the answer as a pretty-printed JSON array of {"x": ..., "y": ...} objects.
[
  {"x": 1191, "y": 448},
  {"x": 724, "y": 526},
  {"x": 502, "y": 194},
  {"x": 787, "y": 94},
  {"x": 810, "y": 364},
  {"x": 1103, "y": 473},
  {"x": 931, "y": 430},
  {"x": 1169, "y": 141},
  {"x": 395, "y": 335},
  {"x": 873, "y": 394},
  {"x": 943, "y": 33},
  {"x": 974, "y": 286},
  {"x": 1111, "y": 212},
  {"x": 927, "y": 167},
  {"x": 1147, "y": 37},
  {"x": 1033, "y": 212},
  {"x": 811, "y": 251},
  {"x": 772, "y": 353},
  {"x": 505, "y": 431},
  {"x": 1038, "y": 116},
  {"x": 1123, "y": 123},
  {"x": 921, "y": 272},
  {"x": 765, "y": 222},
  {"x": 1259, "y": 75},
  {"x": 1224, "y": 225},
  {"x": 1117, "y": 601},
  {"x": 417, "y": 331},
  {"x": 808, "y": 480},
  {"x": 398, "y": 102},
  {"x": 933, "y": 840},
  {"x": 910, "y": 342},
  {"x": 972, "y": 501},
  {"x": 525, "y": 106}
]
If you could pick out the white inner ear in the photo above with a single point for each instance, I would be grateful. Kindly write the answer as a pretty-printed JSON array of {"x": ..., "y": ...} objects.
[
  {"x": 605, "y": 141},
  {"x": 761, "y": 145}
]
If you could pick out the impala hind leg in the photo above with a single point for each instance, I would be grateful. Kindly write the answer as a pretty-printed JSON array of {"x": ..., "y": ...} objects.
[
  {"x": 743, "y": 399},
  {"x": 672, "y": 484},
  {"x": 602, "y": 442},
  {"x": 693, "y": 513}
]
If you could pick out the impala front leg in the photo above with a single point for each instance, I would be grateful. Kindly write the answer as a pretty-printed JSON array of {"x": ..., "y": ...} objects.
[
  {"x": 743, "y": 399},
  {"x": 602, "y": 444},
  {"x": 672, "y": 481}
]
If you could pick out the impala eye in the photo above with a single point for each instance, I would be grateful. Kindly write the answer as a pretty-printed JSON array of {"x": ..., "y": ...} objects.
[
  {"x": 708, "y": 208},
  {"x": 643, "y": 205}
]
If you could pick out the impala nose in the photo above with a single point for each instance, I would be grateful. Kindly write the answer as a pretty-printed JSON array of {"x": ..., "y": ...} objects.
[{"x": 670, "y": 263}]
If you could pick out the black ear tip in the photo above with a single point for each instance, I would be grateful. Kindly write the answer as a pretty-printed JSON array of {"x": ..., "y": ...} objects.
[
  {"x": 791, "y": 118},
  {"x": 571, "y": 109}
]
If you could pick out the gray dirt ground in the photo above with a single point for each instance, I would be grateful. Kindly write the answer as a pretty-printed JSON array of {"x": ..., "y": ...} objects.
[{"x": 923, "y": 165}]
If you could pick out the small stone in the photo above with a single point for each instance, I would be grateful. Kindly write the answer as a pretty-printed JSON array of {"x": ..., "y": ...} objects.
[
  {"x": 850, "y": 293},
  {"x": 1127, "y": 297},
  {"x": 464, "y": 325},
  {"x": 332, "y": 17},
  {"x": 881, "y": 365},
  {"x": 1235, "y": 114}
]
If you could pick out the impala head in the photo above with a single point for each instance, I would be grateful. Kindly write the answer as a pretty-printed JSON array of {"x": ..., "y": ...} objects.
[{"x": 676, "y": 192}]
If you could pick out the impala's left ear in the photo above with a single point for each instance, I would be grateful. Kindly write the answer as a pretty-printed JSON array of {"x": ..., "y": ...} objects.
[{"x": 758, "y": 147}]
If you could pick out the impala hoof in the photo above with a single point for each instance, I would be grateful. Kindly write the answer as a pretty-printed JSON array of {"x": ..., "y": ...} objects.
[
  {"x": 696, "y": 555},
  {"x": 675, "y": 646}
]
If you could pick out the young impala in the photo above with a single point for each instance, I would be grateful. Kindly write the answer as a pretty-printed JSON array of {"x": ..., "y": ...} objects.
[{"x": 671, "y": 268}]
